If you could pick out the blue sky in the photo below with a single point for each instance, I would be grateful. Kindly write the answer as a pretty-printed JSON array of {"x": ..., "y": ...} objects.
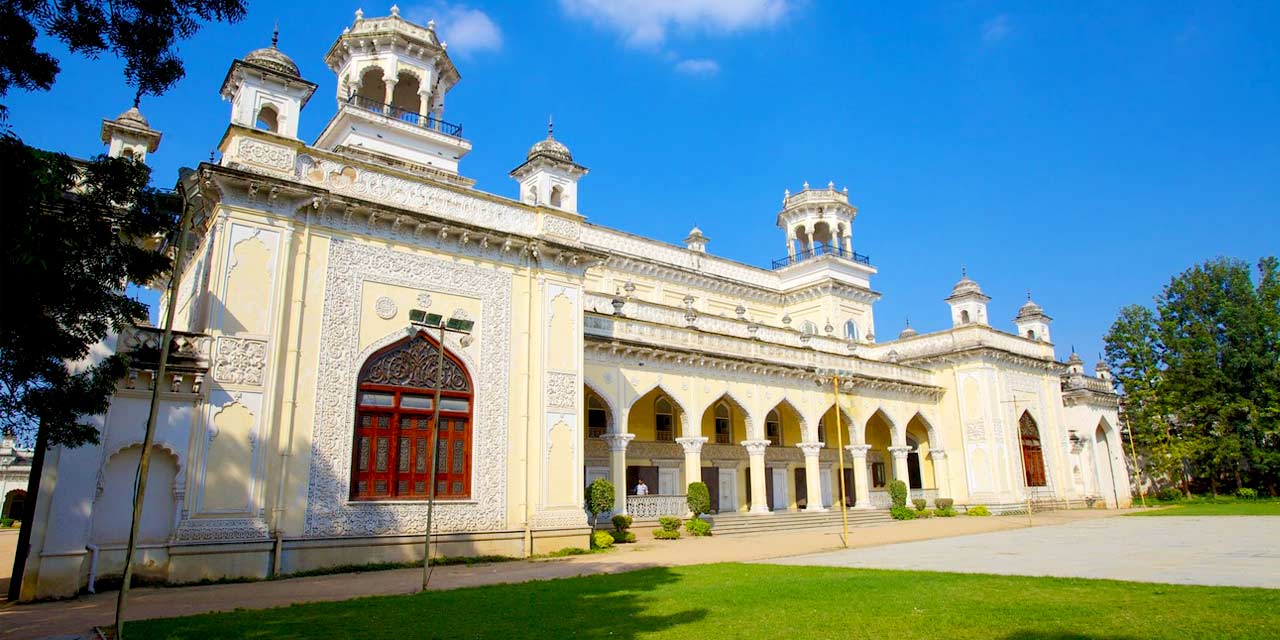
[{"x": 1086, "y": 151}]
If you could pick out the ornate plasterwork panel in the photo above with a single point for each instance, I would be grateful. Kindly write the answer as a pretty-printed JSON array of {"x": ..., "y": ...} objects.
[
  {"x": 562, "y": 390},
  {"x": 221, "y": 529},
  {"x": 561, "y": 227},
  {"x": 329, "y": 511},
  {"x": 239, "y": 361},
  {"x": 265, "y": 154}
]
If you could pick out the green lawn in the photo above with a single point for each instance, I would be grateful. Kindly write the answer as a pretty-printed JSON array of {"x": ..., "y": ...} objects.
[
  {"x": 764, "y": 601},
  {"x": 1211, "y": 507}
]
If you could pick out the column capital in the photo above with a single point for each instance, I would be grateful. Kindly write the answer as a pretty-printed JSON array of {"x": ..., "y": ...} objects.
[
  {"x": 755, "y": 447},
  {"x": 900, "y": 453},
  {"x": 938, "y": 454},
  {"x": 692, "y": 445},
  {"x": 618, "y": 441},
  {"x": 810, "y": 448},
  {"x": 858, "y": 450}
]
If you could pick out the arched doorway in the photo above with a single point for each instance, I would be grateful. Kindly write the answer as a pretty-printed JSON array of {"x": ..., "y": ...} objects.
[
  {"x": 14, "y": 504},
  {"x": 915, "y": 479},
  {"x": 1102, "y": 463},
  {"x": 394, "y": 407},
  {"x": 1032, "y": 451}
]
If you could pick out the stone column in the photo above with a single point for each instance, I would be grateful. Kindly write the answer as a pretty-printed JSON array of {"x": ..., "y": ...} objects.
[
  {"x": 692, "y": 459},
  {"x": 391, "y": 89},
  {"x": 424, "y": 105},
  {"x": 900, "y": 467},
  {"x": 618, "y": 468},
  {"x": 940, "y": 472},
  {"x": 861, "y": 484},
  {"x": 812, "y": 479},
  {"x": 791, "y": 249},
  {"x": 848, "y": 244},
  {"x": 755, "y": 453}
]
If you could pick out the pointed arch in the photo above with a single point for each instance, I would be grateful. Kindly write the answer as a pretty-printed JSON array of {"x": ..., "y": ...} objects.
[
  {"x": 795, "y": 427},
  {"x": 824, "y": 428},
  {"x": 609, "y": 410},
  {"x": 1033, "y": 469},
  {"x": 732, "y": 428},
  {"x": 880, "y": 419},
  {"x": 642, "y": 415}
]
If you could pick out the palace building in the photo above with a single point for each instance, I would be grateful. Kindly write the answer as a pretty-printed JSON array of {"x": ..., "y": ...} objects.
[{"x": 296, "y": 411}]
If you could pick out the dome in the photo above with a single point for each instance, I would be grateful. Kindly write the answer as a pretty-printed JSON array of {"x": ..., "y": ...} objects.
[
  {"x": 1030, "y": 309},
  {"x": 966, "y": 286},
  {"x": 908, "y": 332},
  {"x": 1075, "y": 359},
  {"x": 274, "y": 59},
  {"x": 133, "y": 117},
  {"x": 552, "y": 148}
]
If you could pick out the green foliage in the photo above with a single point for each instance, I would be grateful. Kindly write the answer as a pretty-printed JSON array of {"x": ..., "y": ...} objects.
[
  {"x": 6, "y": 522},
  {"x": 1201, "y": 375},
  {"x": 1169, "y": 494},
  {"x": 898, "y": 493},
  {"x": 622, "y": 537},
  {"x": 663, "y": 534},
  {"x": 945, "y": 512},
  {"x": 920, "y": 503},
  {"x": 699, "y": 498},
  {"x": 902, "y": 513},
  {"x": 601, "y": 540},
  {"x": 698, "y": 527},
  {"x": 669, "y": 523},
  {"x": 599, "y": 499},
  {"x": 978, "y": 510},
  {"x": 944, "y": 503},
  {"x": 1246, "y": 493},
  {"x": 622, "y": 522}
]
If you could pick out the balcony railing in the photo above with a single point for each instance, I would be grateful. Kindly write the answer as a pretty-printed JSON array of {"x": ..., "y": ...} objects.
[
  {"x": 654, "y": 507},
  {"x": 822, "y": 249},
  {"x": 427, "y": 121}
]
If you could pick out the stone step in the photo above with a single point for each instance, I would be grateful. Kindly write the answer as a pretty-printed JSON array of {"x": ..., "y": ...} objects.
[{"x": 743, "y": 523}]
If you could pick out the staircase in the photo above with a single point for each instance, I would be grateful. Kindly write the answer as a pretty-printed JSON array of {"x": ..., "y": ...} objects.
[{"x": 734, "y": 524}]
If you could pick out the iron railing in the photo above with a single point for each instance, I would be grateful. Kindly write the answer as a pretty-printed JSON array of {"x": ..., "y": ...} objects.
[
  {"x": 822, "y": 249},
  {"x": 427, "y": 121}
]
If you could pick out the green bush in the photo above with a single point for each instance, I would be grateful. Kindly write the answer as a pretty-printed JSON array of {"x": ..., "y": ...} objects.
[
  {"x": 902, "y": 513},
  {"x": 699, "y": 498},
  {"x": 698, "y": 527},
  {"x": 1169, "y": 494},
  {"x": 622, "y": 537},
  {"x": 1246, "y": 493},
  {"x": 663, "y": 534},
  {"x": 978, "y": 510},
  {"x": 924, "y": 513},
  {"x": 601, "y": 540},
  {"x": 599, "y": 499},
  {"x": 898, "y": 493},
  {"x": 945, "y": 512},
  {"x": 6, "y": 522},
  {"x": 670, "y": 523},
  {"x": 920, "y": 503},
  {"x": 944, "y": 503},
  {"x": 622, "y": 522}
]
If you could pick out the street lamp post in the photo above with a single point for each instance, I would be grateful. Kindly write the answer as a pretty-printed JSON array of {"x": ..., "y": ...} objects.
[{"x": 420, "y": 318}]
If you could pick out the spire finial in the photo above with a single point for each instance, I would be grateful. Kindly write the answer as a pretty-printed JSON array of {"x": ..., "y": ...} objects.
[
  {"x": 908, "y": 321},
  {"x": 1028, "y": 295},
  {"x": 964, "y": 273},
  {"x": 275, "y": 34},
  {"x": 551, "y": 126}
]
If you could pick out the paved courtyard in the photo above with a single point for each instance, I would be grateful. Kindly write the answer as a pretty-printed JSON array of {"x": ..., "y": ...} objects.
[{"x": 1219, "y": 551}]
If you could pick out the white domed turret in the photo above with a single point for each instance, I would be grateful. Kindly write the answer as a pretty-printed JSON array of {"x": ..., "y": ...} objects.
[
  {"x": 130, "y": 135},
  {"x": 818, "y": 222},
  {"x": 1031, "y": 321},
  {"x": 696, "y": 241},
  {"x": 1102, "y": 370},
  {"x": 266, "y": 91},
  {"x": 967, "y": 301},
  {"x": 1075, "y": 364},
  {"x": 549, "y": 176},
  {"x": 907, "y": 331}
]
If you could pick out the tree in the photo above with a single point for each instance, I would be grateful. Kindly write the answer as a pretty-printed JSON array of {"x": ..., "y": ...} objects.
[
  {"x": 599, "y": 499},
  {"x": 699, "y": 498}
]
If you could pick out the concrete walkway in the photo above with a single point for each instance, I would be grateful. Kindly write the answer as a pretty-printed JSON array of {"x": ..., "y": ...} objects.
[
  {"x": 78, "y": 616},
  {"x": 1217, "y": 551}
]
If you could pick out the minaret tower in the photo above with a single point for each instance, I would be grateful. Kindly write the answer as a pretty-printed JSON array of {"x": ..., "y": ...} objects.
[
  {"x": 130, "y": 135},
  {"x": 967, "y": 301},
  {"x": 392, "y": 79},
  {"x": 1031, "y": 321},
  {"x": 818, "y": 222},
  {"x": 549, "y": 176},
  {"x": 266, "y": 91}
]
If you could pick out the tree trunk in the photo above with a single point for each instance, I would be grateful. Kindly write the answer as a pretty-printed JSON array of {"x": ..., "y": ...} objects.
[{"x": 28, "y": 516}]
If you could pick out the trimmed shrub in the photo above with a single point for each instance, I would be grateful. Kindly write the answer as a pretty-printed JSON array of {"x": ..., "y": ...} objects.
[
  {"x": 1246, "y": 493},
  {"x": 920, "y": 503},
  {"x": 902, "y": 513},
  {"x": 6, "y": 522},
  {"x": 698, "y": 527},
  {"x": 924, "y": 513},
  {"x": 622, "y": 522},
  {"x": 599, "y": 499},
  {"x": 601, "y": 540},
  {"x": 898, "y": 493},
  {"x": 1169, "y": 494},
  {"x": 944, "y": 503},
  {"x": 978, "y": 510},
  {"x": 663, "y": 534},
  {"x": 699, "y": 498},
  {"x": 670, "y": 523},
  {"x": 945, "y": 512},
  {"x": 622, "y": 537}
]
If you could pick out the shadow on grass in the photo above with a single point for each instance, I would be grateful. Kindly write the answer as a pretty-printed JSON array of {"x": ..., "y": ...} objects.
[
  {"x": 1063, "y": 635},
  {"x": 616, "y": 606}
]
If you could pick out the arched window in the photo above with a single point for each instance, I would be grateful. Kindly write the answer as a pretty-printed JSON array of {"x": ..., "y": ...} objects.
[
  {"x": 964, "y": 317},
  {"x": 394, "y": 406},
  {"x": 597, "y": 416},
  {"x": 1031, "y": 334},
  {"x": 664, "y": 422},
  {"x": 268, "y": 119},
  {"x": 1032, "y": 453},
  {"x": 557, "y": 196},
  {"x": 773, "y": 428},
  {"x": 850, "y": 330},
  {"x": 914, "y": 479},
  {"x": 809, "y": 327},
  {"x": 724, "y": 424},
  {"x": 822, "y": 430}
]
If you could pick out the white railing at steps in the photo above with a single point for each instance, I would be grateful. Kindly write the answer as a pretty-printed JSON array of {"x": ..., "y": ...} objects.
[
  {"x": 880, "y": 498},
  {"x": 652, "y": 507},
  {"x": 928, "y": 494}
]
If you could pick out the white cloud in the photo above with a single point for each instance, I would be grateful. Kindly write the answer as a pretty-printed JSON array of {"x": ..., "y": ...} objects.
[
  {"x": 647, "y": 23},
  {"x": 467, "y": 31},
  {"x": 996, "y": 30},
  {"x": 698, "y": 66}
]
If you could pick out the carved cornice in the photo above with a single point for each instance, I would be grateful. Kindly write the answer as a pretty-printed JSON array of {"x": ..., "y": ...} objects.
[
  {"x": 831, "y": 288},
  {"x": 985, "y": 353}
]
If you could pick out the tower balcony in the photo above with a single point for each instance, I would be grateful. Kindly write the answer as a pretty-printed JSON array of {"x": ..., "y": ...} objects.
[
  {"x": 427, "y": 121},
  {"x": 819, "y": 250}
]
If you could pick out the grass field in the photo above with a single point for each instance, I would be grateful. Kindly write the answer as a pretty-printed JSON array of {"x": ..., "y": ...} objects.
[
  {"x": 766, "y": 601},
  {"x": 1212, "y": 507}
]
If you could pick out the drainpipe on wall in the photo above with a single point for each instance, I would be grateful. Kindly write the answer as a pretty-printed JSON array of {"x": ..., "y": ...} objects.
[{"x": 93, "y": 564}]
